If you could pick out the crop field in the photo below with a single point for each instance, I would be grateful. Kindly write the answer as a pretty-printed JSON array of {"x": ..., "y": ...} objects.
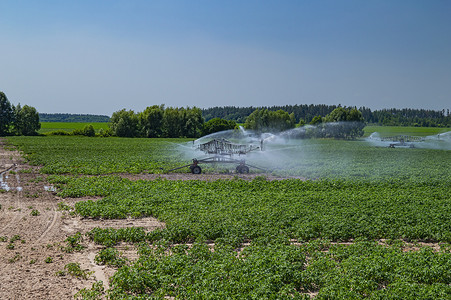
[
  {"x": 70, "y": 126},
  {"x": 95, "y": 156},
  {"x": 309, "y": 159},
  {"x": 344, "y": 219},
  {"x": 397, "y": 130}
]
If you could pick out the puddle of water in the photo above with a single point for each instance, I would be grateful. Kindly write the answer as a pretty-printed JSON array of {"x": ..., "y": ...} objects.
[
  {"x": 4, "y": 184},
  {"x": 49, "y": 188}
]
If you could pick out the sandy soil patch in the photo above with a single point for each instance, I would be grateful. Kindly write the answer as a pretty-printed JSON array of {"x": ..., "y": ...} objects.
[{"x": 33, "y": 232}]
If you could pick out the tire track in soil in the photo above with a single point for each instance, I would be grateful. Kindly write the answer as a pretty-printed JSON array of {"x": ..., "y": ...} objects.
[
  {"x": 51, "y": 225},
  {"x": 42, "y": 236},
  {"x": 25, "y": 272}
]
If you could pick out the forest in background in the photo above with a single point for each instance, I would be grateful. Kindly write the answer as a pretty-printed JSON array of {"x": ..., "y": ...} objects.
[
  {"x": 73, "y": 118},
  {"x": 307, "y": 112}
]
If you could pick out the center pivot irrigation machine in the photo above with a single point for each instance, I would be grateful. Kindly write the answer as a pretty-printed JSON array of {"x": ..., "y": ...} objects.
[{"x": 222, "y": 151}]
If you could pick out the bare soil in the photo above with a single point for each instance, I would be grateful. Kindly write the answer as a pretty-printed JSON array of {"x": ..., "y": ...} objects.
[{"x": 33, "y": 232}]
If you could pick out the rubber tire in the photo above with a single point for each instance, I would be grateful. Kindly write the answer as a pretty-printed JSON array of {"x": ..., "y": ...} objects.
[
  {"x": 196, "y": 170},
  {"x": 242, "y": 169}
]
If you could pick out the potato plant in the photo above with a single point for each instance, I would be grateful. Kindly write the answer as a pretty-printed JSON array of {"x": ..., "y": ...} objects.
[
  {"x": 271, "y": 239},
  {"x": 84, "y": 155},
  {"x": 274, "y": 270},
  {"x": 238, "y": 210}
]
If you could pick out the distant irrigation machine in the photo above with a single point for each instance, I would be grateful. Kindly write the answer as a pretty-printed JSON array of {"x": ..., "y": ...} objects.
[
  {"x": 402, "y": 141},
  {"x": 222, "y": 151}
]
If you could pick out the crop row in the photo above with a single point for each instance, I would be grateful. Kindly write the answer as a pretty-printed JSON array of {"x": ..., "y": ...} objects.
[
  {"x": 276, "y": 269},
  {"x": 354, "y": 160},
  {"x": 238, "y": 210},
  {"x": 95, "y": 156}
]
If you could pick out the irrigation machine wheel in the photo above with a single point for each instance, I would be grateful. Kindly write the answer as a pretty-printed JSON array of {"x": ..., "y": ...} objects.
[
  {"x": 242, "y": 169},
  {"x": 196, "y": 170}
]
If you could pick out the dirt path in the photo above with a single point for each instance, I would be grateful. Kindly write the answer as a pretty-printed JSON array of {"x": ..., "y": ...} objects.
[{"x": 32, "y": 233}]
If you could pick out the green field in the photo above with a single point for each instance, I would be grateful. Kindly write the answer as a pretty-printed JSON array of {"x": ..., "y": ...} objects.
[
  {"x": 69, "y": 127},
  {"x": 272, "y": 239},
  {"x": 383, "y": 130},
  {"x": 333, "y": 159},
  {"x": 95, "y": 156},
  {"x": 398, "y": 130}
]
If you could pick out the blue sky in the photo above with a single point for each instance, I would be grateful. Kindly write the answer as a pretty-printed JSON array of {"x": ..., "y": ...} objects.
[{"x": 101, "y": 56}]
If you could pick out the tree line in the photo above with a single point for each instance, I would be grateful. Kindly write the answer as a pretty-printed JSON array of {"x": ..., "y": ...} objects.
[
  {"x": 307, "y": 113},
  {"x": 158, "y": 121},
  {"x": 341, "y": 123},
  {"x": 17, "y": 120},
  {"x": 76, "y": 118}
]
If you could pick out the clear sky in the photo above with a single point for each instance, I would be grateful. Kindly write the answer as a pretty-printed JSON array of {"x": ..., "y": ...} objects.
[{"x": 97, "y": 57}]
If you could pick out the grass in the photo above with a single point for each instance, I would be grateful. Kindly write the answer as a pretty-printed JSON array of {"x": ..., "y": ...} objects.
[{"x": 69, "y": 127}]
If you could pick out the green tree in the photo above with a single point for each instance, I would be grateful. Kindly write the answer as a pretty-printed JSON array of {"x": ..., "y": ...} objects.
[
  {"x": 172, "y": 122},
  {"x": 182, "y": 122},
  {"x": 316, "y": 120},
  {"x": 194, "y": 122},
  {"x": 339, "y": 114},
  {"x": 151, "y": 121},
  {"x": 217, "y": 125},
  {"x": 344, "y": 123},
  {"x": 357, "y": 121},
  {"x": 89, "y": 130},
  {"x": 26, "y": 120},
  {"x": 267, "y": 120},
  {"x": 6, "y": 114},
  {"x": 125, "y": 123}
]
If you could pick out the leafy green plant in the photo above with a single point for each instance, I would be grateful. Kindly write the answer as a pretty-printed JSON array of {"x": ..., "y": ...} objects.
[
  {"x": 14, "y": 238},
  {"x": 111, "y": 236},
  {"x": 48, "y": 260},
  {"x": 75, "y": 269},
  {"x": 63, "y": 206},
  {"x": 15, "y": 258},
  {"x": 110, "y": 256},
  {"x": 99, "y": 156},
  {"x": 95, "y": 292},
  {"x": 35, "y": 213},
  {"x": 272, "y": 239},
  {"x": 73, "y": 243},
  {"x": 29, "y": 195},
  {"x": 296, "y": 209}
]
